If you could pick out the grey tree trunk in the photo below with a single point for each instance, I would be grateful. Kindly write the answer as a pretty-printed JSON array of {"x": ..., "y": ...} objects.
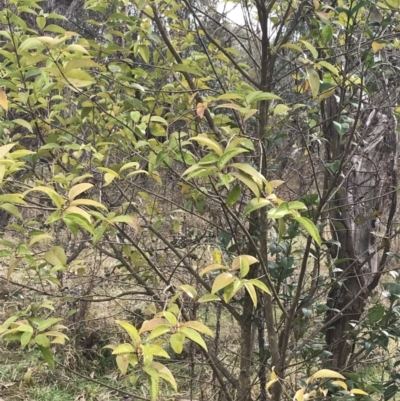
[{"x": 364, "y": 193}]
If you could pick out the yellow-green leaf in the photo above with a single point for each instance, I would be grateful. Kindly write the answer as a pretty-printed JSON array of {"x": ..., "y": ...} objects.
[
  {"x": 314, "y": 81},
  {"x": 222, "y": 281},
  {"x": 325, "y": 374},
  {"x": 3, "y": 100},
  {"x": 358, "y": 391},
  {"x": 198, "y": 326},
  {"x": 78, "y": 78},
  {"x": 310, "y": 227},
  {"x": 340, "y": 383},
  {"x": 79, "y": 211},
  {"x": 189, "y": 290},
  {"x": 24, "y": 124},
  {"x": 13, "y": 264},
  {"x": 247, "y": 180},
  {"x": 270, "y": 383},
  {"x": 131, "y": 330},
  {"x": 260, "y": 285},
  {"x": 299, "y": 396},
  {"x": 5, "y": 149},
  {"x": 124, "y": 349},
  {"x": 252, "y": 292},
  {"x": 78, "y": 189},
  {"x": 122, "y": 363},
  {"x": 165, "y": 374},
  {"x": 203, "y": 140},
  {"x": 194, "y": 336},
  {"x": 87, "y": 202},
  {"x": 208, "y": 298},
  {"x": 56, "y": 256},
  {"x": 255, "y": 204},
  {"x": 214, "y": 266},
  {"x": 176, "y": 342},
  {"x": 311, "y": 48}
]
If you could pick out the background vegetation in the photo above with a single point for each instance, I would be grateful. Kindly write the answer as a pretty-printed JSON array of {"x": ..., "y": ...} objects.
[{"x": 199, "y": 208}]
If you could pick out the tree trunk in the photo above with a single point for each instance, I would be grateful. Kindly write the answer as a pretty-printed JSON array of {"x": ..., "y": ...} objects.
[{"x": 364, "y": 192}]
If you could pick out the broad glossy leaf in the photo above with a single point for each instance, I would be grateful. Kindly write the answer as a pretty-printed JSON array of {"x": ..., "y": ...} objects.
[
  {"x": 176, "y": 341},
  {"x": 215, "y": 266},
  {"x": 165, "y": 374},
  {"x": 3, "y": 100},
  {"x": 208, "y": 298},
  {"x": 255, "y": 204},
  {"x": 78, "y": 189},
  {"x": 310, "y": 227},
  {"x": 210, "y": 143},
  {"x": 124, "y": 349},
  {"x": 221, "y": 281},
  {"x": 325, "y": 374},
  {"x": 131, "y": 330},
  {"x": 48, "y": 356},
  {"x": 314, "y": 81},
  {"x": 196, "y": 325},
  {"x": 194, "y": 336},
  {"x": 252, "y": 292}
]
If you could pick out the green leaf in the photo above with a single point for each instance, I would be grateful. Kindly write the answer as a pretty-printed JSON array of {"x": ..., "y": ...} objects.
[
  {"x": 327, "y": 33},
  {"x": 281, "y": 211},
  {"x": 390, "y": 392},
  {"x": 258, "y": 96},
  {"x": 186, "y": 68},
  {"x": 155, "y": 350},
  {"x": 10, "y": 208},
  {"x": 47, "y": 323},
  {"x": 42, "y": 340},
  {"x": 296, "y": 205},
  {"x": 194, "y": 336},
  {"x": 376, "y": 313},
  {"x": 228, "y": 156},
  {"x": 251, "y": 171},
  {"x": 25, "y": 338},
  {"x": 153, "y": 387},
  {"x": 310, "y": 227},
  {"x": 47, "y": 355},
  {"x": 79, "y": 221},
  {"x": 233, "y": 195},
  {"x": 249, "y": 182},
  {"x": 255, "y": 204}
]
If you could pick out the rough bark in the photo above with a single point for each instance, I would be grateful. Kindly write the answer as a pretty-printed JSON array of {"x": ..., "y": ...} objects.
[{"x": 363, "y": 195}]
